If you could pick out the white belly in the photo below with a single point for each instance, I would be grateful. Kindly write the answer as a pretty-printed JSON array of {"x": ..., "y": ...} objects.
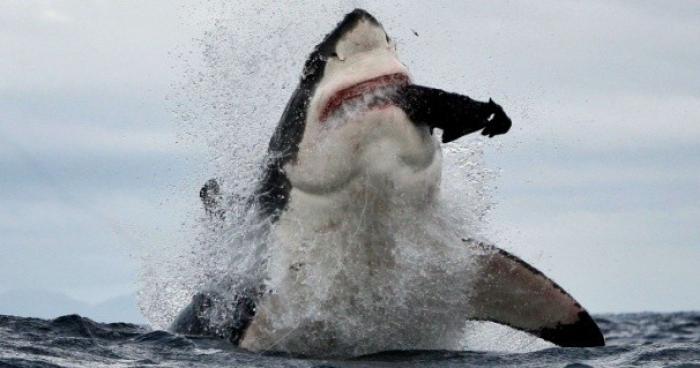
[{"x": 367, "y": 268}]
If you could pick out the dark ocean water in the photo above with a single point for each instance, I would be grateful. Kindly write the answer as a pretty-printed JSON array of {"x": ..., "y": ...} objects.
[{"x": 634, "y": 340}]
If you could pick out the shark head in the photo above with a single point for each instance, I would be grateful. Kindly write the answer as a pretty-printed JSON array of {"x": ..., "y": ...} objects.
[
  {"x": 356, "y": 59},
  {"x": 346, "y": 123},
  {"x": 341, "y": 123}
]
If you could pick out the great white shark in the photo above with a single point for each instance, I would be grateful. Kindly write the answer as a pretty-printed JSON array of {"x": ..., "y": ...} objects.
[{"x": 353, "y": 159}]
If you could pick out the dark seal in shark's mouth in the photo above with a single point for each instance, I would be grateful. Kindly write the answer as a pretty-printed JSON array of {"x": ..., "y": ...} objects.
[{"x": 379, "y": 90}]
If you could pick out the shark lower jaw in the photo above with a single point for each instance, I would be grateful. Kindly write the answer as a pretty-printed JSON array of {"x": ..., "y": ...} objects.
[{"x": 367, "y": 95}]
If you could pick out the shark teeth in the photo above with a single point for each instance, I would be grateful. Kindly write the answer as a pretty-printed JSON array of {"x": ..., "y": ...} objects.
[
  {"x": 377, "y": 98},
  {"x": 364, "y": 96}
]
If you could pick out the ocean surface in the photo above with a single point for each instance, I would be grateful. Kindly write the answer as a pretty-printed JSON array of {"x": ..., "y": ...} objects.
[{"x": 634, "y": 340}]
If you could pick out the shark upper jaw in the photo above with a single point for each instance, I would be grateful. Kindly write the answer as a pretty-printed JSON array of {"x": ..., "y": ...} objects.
[{"x": 378, "y": 89}]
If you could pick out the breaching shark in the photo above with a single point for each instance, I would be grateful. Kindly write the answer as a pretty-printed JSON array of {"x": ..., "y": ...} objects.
[{"x": 353, "y": 158}]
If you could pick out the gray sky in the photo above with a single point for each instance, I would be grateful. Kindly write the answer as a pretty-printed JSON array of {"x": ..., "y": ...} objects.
[{"x": 600, "y": 177}]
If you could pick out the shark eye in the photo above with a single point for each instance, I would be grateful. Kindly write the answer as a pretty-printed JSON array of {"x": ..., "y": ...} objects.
[
  {"x": 327, "y": 56},
  {"x": 336, "y": 56}
]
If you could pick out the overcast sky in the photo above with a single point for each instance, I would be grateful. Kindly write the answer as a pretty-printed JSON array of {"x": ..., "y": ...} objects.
[{"x": 599, "y": 180}]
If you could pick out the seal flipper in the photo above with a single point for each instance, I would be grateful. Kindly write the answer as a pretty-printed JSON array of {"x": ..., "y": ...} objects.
[
  {"x": 455, "y": 114},
  {"x": 513, "y": 293},
  {"x": 201, "y": 318}
]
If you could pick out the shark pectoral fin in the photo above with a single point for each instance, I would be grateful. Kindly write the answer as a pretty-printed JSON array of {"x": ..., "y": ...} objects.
[
  {"x": 511, "y": 292},
  {"x": 456, "y": 115},
  {"x": 192, "y": 320},
  {"x": 202, "y": 316}
]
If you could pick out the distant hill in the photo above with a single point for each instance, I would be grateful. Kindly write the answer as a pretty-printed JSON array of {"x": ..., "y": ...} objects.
[
  {"x": 49, "y": 304},
  {"x": 120, "y": 309}
]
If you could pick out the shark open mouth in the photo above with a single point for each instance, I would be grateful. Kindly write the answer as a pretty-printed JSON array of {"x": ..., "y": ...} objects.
[{"x": 372, "y": 93}]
